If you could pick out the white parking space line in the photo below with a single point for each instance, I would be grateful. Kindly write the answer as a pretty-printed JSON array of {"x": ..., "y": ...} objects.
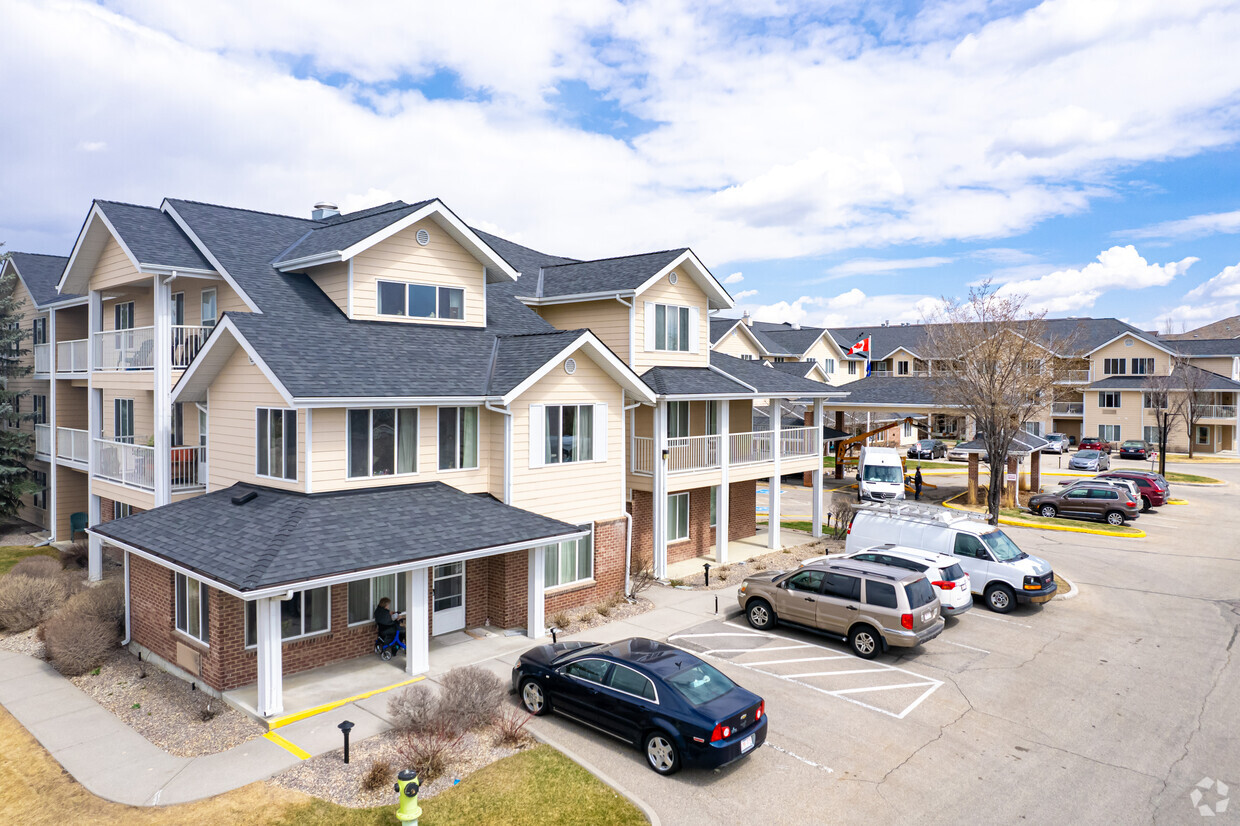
[
  {"x": 795, "y": 659},
  {"x": 1000, "y": 619},
  {"x": 720, "y": 634},
  {"x": 804, "y": 760},
  {"x": 936, "y": 683},
  {"x": 838, "y": 673},
  {"x": 962, "y": 645},
  {"x": 769, "y": 648}
]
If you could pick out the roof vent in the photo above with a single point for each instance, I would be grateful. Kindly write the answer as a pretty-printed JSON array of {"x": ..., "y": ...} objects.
[
  {"x": 423, "y": 237},
  {"x": 795, "y": 326},
  {"x": 324, "y": 209},
  {"x": 745, "y": 318},
  {"x": 570, "y": 366},
  {"x": 245, "y": 497}
]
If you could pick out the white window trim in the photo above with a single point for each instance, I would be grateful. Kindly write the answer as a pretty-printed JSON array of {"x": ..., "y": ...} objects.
[
  {"x": 370, "y": 590},
  {"x": 436, "y": 287},
  {"x": 202, "y": 319},
  {"x": 296, "y": 453},
  {"x": 575, "y": 583},
  {"x": 201, "y": 607},
  {"x": 688, "y": 527},
  {"x": 692, "y": 334},
  {"x": 1209, "y": 434},
  {"x": 477, "y": 458},
  {"x": 598, "y": 450},
  {"x": 713, "y": 518},
  {"x": 245, "y": 620},
  {"x": 370, "y": 444},
  {"x": 1119, "y": 401}
]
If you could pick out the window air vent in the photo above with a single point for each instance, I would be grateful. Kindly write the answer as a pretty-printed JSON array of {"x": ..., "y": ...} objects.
[
  {"x": 570, "y": 366},
  {"x": 672, "y": 278},
  {"x": 424, "y": 237}
]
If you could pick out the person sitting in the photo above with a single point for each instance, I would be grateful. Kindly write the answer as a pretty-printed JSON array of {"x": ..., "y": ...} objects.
[{"x": 383, "y": 619}]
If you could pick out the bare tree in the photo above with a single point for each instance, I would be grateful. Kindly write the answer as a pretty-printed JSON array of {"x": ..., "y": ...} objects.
[
  {"x": 997, "y": 362},
  {"x": 1192, "y": 383},
  {"x": 1164, "y": 401}
]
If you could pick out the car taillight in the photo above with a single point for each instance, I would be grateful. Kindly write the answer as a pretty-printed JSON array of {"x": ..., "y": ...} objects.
[
  {"x": 761, "y": 711},
  {"x": 943, "y": 584},
  {"x": 1131, "y": 504},
  {"x": 906, "y": 621},
  {"x": 721, "y": 732}
]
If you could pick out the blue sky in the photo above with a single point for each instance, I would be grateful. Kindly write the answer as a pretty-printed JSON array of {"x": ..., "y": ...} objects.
[{"x": 840, "y": 162}]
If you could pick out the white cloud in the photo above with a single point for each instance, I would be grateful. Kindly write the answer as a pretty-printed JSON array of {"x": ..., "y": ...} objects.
[
  {"x": 879, "y": 266},
  {"x": 743, "y": 294},
  {"x": 1212, "y": 300},
  {"x": 93, "y": 146},
  {"x": 1076, "y": 290},
  {"x": 734, "y": 278},
  {"x": 1224, "y": 285},
  {"x": 1195, "y": 226},
  {"x": 853, "y": 308}
]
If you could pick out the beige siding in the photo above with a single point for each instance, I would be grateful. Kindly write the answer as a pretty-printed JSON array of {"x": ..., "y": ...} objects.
[
  {"x": 28, "y": 384},
  {"x": 825, "y": 348},
  {"x": 333, "y": 280},
  {"x": 72, "y": 496},
  {"x": 143, "y": 306},
  {"x": 738, "y": 344},
  {"x": 581, "y": 492},
  {"x": 237, "y": 392},
  {"x": 330, "y": 451},
  {"x": 143, "y": 413},
  {"x": 1224, "y": 366},
  {"x": 442, "y": 262},
  {"x": 114, "y": 268},
  {"x": 685, "y": 293},
  {"x": 72, "y": 324},
  {"x": 1120, "y": 348},
  {"x": 226, "y": 299},
  {"x": 1130, "y": 416},
  {"x": 71, "y": 408},
  {"x": 119, "y": 493},
  {"x": 609, "y": 320}
]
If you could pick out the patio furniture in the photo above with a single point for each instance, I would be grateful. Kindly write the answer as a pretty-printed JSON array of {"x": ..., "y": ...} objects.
[{"x": 77, "y": 522}]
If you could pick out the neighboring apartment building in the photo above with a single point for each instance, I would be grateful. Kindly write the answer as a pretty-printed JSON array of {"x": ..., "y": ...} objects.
[{"x": 281, "y": 419}]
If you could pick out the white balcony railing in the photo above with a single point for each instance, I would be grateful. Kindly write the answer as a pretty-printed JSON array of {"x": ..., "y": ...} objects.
[
  {"x": 43, "y": 440},
  {"x": 798, "y": 442},
  {"x": 186, "y": 342},
  {"x": 1067, "y": 408},
  {"x": 1218, "y": 411},
  {"x": 72, "y": 445},
  {"x": 134, "y": 465},
  {"x": 1076, "y": 377},
  {"x": 688, "y": 453},
  {"x": 132, "y": 349},
  {"x": 73, "y": 356},
  {"x": 889, "y": 374},
  {"x": 189, "y": 468},
  {"x": 750, "y": 448},
  {"x": 42, "y": 358}
]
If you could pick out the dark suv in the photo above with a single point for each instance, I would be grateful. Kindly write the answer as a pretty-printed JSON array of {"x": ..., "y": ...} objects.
[
  {"x": 1153, "y": 487},
  {"x": 1113, "y": 505},
  {"x": 1094, "y": 443}
]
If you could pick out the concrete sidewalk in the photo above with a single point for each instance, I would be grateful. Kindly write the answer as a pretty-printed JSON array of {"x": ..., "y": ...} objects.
[{"x": 116, "y": 763}]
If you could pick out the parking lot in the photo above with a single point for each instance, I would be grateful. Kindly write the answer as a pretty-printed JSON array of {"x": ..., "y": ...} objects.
[{"x": 1108, "y": 707}]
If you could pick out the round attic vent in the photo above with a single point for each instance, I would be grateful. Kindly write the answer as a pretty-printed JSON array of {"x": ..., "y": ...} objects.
[
  {"x": 672, "y": 278},
  {"x": 1127, "y": 342},
  {"x": 424, "y": 237},
  {"x": 570, "y": 366}
]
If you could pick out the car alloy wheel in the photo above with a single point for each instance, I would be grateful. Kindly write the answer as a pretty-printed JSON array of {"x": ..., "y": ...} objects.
[
  {"x": 532, "y": 698},
  {"x": 759, "y": 615},
  {"x": 1048, "y": 511},
  {"x": 661, "y": 754},
  {"x": 864, "y": 642},
  {"x": 1115, "y": 518}
]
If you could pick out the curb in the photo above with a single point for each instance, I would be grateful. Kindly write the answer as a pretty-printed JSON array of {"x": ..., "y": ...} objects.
[
  {"x": 1021, "y": 523},
  {"x": 1073, "y": 593},
  {"x": 1201, "y": 484},
  {"x": 645, "y": 809}
]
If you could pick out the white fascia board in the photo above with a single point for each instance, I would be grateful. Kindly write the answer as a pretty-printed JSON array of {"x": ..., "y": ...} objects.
[
  {"x": 1131, "y": 334},
  {"x": 713, "y": 289},
  {"x": 66, "y": 303},
  {"x": 896, "y": 408},
  {"x": 601, "y": 355},
  {"x": 95, "y": 214},
  {"x": 168, "y": 208},
  {"x": 165, "y": 563},
  {"x": 225, "y": 326},
  {"x": 727, "y": 333},
  {"x": 576, "y": 298},
  {"x": 312, "y": 402},
  {"x": 310, "y": 261},
  {"x": 189, "y": 272},
  {"x": 740, "y": 396}
]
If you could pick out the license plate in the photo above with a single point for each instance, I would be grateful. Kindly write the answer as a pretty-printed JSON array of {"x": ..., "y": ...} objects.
[
  {"x": 926, "y": 617},
  {"x": 747, "y": 744}
]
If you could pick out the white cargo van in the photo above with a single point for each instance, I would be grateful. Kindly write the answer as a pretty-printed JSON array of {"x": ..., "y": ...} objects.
[
  {"x": 998, "y": 570},
  {"x": 880, "y": 474}
]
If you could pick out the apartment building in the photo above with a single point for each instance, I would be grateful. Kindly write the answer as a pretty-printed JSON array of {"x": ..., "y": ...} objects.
[{"x": 278, "y": 420}]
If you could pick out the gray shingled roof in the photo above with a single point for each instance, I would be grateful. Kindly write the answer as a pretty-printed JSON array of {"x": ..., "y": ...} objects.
[
  {"x": 599, "y": 276},
  {"x": 41, "y": 273},
  {"x": 786, "y": 339},
  {"x": 1207, "y": 380},
  {"x": 691, "y": 381},
  {"x": 1198, "y": 347},
  {"x": 1022, "y": 444},
  {"x": 768, "y": 380},
  {"x": 796, "y": 368},
  {"x": 1088, "y": 334},
  {"x": 343, "y": 231},
  {"x": 890, "y": 390},
  {"x": 282, "y": 538},
  {"x": 522, "y": 259},
  {"x": 152, "y": 236}
]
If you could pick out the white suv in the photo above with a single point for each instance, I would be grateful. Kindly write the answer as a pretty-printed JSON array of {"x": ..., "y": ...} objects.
[{"x": 950, "y": 582}]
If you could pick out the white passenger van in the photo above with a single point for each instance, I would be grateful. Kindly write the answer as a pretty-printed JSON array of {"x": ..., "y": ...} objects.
[
  {"x": 998, "y": 570},
  {"x": 880, "y": 474}
]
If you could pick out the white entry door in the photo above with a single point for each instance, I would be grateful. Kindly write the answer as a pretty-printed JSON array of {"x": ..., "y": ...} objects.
[{"x": 448, "y": 589}]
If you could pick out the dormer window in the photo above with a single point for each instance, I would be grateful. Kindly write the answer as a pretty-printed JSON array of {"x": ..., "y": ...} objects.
[{"x": 398, "y": 298}]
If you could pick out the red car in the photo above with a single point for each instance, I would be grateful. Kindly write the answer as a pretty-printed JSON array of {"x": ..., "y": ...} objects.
[
  {"x": 1094, "y": 443},
  {"x": 1153, "y": 488}
]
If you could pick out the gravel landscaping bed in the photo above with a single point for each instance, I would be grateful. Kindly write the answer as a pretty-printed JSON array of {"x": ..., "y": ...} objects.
[
  {"x": 26, "y": 642},
  {"x": 591, "y": 616},
  {"x": 165, "y": 709},
  {"x": 724, "y": 576}
]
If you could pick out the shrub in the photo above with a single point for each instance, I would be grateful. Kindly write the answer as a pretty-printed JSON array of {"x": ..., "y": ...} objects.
[
  {"x": 377, "y": 776},
  {"x": 642, "y": 576},
  {"x": 78, "y": 554},
  {"x": 413, "y": 709},
  {"x": 510, "y": 728},
  {"x": 37, "y": 567},
  {"x": 430, "y": 752},
  {"x": 471, "y": 698},
  {"x": 77, "y": 643},
  {"x": 561, "y": 620},
  {"x": 603, "y": 609},
  {"x": 105, "y": 603},
  {"x": 27, "y": 601}
]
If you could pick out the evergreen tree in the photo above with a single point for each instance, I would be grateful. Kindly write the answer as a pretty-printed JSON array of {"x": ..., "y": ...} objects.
[{"x": 16, "y": 444}]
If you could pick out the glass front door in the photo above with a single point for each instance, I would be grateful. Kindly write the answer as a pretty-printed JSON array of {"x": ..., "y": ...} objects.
[{"x": 448, "y": 595}]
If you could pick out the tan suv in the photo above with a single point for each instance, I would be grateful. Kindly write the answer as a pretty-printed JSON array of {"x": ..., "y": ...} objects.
[{"x": 872, "y": 606}]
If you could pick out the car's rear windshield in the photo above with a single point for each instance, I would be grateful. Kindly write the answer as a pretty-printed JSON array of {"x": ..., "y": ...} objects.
[
  {"x": 1134, "y": 444},
  {"x": 1087, "y": 454},
  {"x": 700, "y": 684},
  {"x": 1002, "y": 547},
  {"x": 953, "y": 573},
  {"x": 919, "y": 593},
  {"x": 882, "y": 473}
]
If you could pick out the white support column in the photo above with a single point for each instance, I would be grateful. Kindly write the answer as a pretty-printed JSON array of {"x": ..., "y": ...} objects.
[
  {"x": 162, "y": 396},
  {"x": 94, "y": 425},
  {"x": 772, "y": 510},
  {"x": 269, "y": 655},
  {"x": 725, "y": 488},
  {"x": 536, "y": 588},
  {"x": 417, "y": 622},
  {"x": 658, "y": 500},
  {"x": 50, "y": 415},
  {"x": 94, "y": 556},
  {"x": 819, "y": 412},
  {"x": 508, "y": 449}
]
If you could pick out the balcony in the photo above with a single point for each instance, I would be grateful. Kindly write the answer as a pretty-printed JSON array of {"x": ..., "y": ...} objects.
[
  {"x": 43, "y": 441},
  {"x": 72, "y": 445},
  {"x": 73, "y": 356},
  {"x": 42, "y": 358},
  {"x": 1076, "y": 377},
  {"x": 134, "y": 349},
  {"x": 1218, "y": 411},
  {"x": 134, "y": 465},
  {"x": 688, "y": 454},
  {"x": 892, "y": 374},
  {"x": 1062, "y": 409}
]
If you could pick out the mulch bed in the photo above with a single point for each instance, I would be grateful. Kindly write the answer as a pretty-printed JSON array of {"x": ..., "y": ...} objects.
[{"x": 591, "y": 616}]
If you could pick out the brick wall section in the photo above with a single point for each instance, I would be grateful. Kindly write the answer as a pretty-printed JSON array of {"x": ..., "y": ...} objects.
[
  {"x": 107, "y": 508},
  {"x": 642, "y": 511},
  {"x": 743, "y": 509},
  {"x": 742, "y": 522},
  {"x": 609, "y": 542}
]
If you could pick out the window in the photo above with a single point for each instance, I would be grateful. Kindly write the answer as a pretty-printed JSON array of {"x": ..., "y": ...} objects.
[
  {"x": 177, "y": 308},
  {"x": 15, "y": 342},
  {"x": 806, "y": 581},
  {"x": 919, "y": 593},
  {"x": 671, "y": 327},
  {"x": 902, "y": 368},
  {"x": 1108, "y": 432},
  {"x": 748, "y": 357},
  {"x": 421, "y": 300},
  {"x": 1203, "y": 435},
  {"x": 458, "y": 438},
  {"x": 712, "y": 418},
  {"x": 907, "y": 430},
  {"x": 121, "y": 509},
  {"x": 630, "y": 682},
  {"x": 178, "y": 425},
  {"x": 1108, "y": 399},
  {"x": 700, "y": 684},
  {"x": 39, "y": 497},
  {"x": 569, "y": 562},
  {"x": 122, "y": 420},
  {"x": 1033, "y": 428},
  {"x": 1113, "y": 367},
  {"x": 970, "y": 546},
  {"x": 779, "y": 359},
  {"x": 677, "y": 516},
  {"x": 276, "y": 443},
  {"x": 1153, "y": 401},
  {"x": 841, "y": 586},
  {"x": 123, "y": 315},
  {"x": 1142, "y": 367},
  {"x": 191, "y": 607},
  {"x": 882, "y": 594},
  {"x": 364, "y": 596},
  {"x": 383, "y": 442},
  {"x": 569, "y": 432},
  {"x": 677, "y": 420},
  {"x": 591, "y": 671},
  {"x": 714, "y": 506},
  {"x": 209, "y": 310},
  {"x": 852, "y": 368},
  {"x": 307, "y": 613},
  {"x": 1152, "y": 434},
  {"x": 40, "y": 409},
  {"x": 828, "y": 365},
  {"x": 39, "y": 331}
]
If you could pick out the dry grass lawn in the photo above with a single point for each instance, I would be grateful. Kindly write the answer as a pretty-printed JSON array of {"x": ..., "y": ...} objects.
[{"x": 10, "y": 555}]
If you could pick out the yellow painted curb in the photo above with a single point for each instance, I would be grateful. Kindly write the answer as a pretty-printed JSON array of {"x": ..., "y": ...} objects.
[
  {"x": 1176, "y": 502},
  {"x": 1021, "y": 523},
  {"x": 291, "y": 748},
  {"x": 280, "y": 722}
]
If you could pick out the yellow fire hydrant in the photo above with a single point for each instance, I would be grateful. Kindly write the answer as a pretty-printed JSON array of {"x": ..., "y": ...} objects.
[{"x": 407, "y": 786}]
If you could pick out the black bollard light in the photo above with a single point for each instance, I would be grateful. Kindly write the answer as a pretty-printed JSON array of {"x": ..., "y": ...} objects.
[
  {"x": 706, "y": 568},
  {"x": 346, "y": 727},
  {"x": 553, "y": 640}
]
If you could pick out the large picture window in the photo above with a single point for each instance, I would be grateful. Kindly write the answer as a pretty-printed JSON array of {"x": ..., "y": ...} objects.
[
  {"x": 1143, "y": 367},
  {"x": 1108, "y": 432},
  {"x": 569, "y": 562},
  {"x": 671, "y": 328},
  {"x": 122, "y": 420},
  {"x": 305, "y": 614},
  {"x": 569, "y": 433},
  {"x": 192, "y": 612},
  {"x": 677, "y": 420},
  {"x": 1114, "y": 367},
  {"x": 276, "y": 443},
  {"x": 677, "y": 516},
  {"x": 1106, "y": 399},
  {"x": 364, "y": 596},
  {"x": 458, "y": 438},
  {"x": 421, "y": 300},
  {"x": 383, "y": 441}
]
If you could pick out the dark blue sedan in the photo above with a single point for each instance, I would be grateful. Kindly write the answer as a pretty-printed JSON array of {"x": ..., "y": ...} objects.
[{"x": 676, "y": 708}]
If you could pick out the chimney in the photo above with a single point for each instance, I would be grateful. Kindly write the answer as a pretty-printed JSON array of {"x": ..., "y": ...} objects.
[
  {"x": 324, "y": 209},
  {"x": 795, "y": 325},
  {"x": 745, "y": 318}
]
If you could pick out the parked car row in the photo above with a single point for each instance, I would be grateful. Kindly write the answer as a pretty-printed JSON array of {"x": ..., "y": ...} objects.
[{"x": 1115, "y": 497}]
